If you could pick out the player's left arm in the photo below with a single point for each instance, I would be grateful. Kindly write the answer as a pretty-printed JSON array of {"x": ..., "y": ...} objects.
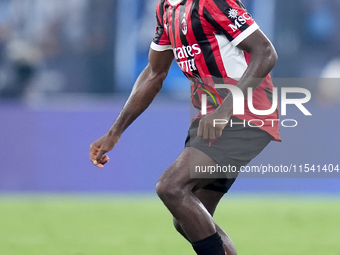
[{"x": 263, "y": 59}]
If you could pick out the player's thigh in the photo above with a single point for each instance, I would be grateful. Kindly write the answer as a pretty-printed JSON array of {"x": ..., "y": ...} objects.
[{"x": 177, "y": 176}]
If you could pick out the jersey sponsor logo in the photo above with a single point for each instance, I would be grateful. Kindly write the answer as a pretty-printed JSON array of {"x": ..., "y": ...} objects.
[
  {"x": 239, "y": 20},
  {"x": 184, "y": 26},
  {"x": 189, "y": 53},
  {"x": 232, "y": 13},
  {"x": 187, "y": 65}
]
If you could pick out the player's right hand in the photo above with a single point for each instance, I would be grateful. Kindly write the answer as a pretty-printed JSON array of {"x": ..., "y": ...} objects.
[{"x": 100, "y": 147}]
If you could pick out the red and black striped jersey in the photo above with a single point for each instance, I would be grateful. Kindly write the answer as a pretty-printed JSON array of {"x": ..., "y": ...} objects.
[{"x": 204, "y": 35}]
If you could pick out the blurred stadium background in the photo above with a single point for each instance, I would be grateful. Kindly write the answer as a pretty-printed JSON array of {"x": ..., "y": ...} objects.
[{"x": 66, "y": 69}]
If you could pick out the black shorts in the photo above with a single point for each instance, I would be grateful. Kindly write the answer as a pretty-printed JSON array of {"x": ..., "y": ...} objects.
[{"x": 237, "y": 146}]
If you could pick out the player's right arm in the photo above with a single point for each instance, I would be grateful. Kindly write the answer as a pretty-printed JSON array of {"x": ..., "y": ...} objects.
[{"x": 146, "y": 87}]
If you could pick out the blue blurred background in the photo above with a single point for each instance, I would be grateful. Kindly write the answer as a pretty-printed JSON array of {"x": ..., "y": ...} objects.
[{"x": 66, "y": 68}]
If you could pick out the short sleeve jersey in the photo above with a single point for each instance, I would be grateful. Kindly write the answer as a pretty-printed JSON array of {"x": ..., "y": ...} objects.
[{"x": 204, "y": 35}]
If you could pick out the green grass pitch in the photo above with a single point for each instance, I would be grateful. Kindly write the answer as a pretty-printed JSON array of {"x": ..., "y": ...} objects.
[{"x": 140, "y": 225}]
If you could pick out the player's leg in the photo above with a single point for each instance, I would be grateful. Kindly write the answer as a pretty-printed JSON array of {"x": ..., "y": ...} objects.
[
  {"x": 175, "y": 188},
  {"x": 236, "y": 147},
  {"x": 210, "y": 200}
]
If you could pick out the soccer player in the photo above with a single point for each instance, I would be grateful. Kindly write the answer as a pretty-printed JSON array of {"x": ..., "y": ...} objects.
[{"x": 213, "y": 41}]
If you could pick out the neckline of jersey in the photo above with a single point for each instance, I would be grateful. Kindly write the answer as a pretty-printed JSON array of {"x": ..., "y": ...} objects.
[{"x": 174, "y": 2}]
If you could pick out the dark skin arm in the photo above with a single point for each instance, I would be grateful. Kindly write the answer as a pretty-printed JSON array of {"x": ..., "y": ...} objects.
[
  {"x": 263, "y": 59},
  {"x": 146, "y": 87}
]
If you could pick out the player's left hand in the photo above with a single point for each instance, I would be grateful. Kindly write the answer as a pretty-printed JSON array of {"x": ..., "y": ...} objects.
[{"x": 206, "y": 127}]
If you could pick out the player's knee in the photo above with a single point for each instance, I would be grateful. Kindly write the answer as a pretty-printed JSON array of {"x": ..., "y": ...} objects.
[{"x": 168, "y": 192}]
